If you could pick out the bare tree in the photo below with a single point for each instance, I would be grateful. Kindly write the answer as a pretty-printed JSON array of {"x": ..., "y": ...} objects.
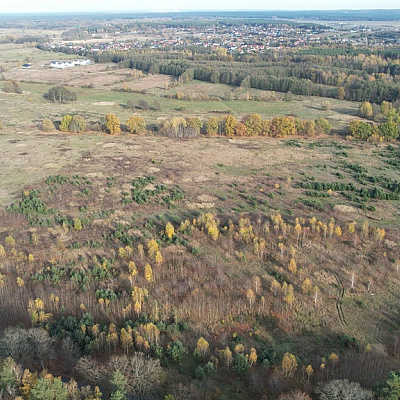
[
  {"x": 91, "y": 370},
  {"x": 13, "y": 344},
  {"x": 294, "y": 395},
  {"x": 40, "y": 347},
  {"x": 69, "y": 352},
  {"x": 343, "y": 390},
  {"x": 141, "y": 372}
]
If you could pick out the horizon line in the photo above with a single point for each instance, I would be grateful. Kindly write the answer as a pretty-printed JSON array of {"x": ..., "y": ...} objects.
[{"x": 194, "y": 10}]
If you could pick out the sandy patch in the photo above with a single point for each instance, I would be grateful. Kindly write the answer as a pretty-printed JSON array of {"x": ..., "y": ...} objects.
[
  {"x": 389, "y": 244},
  {"x": 94, "y": 75},
  {"x": 51, "y": 166},
  {"x": 344, "y": 209},
  {"x": 151, "y": 187},
  {"x": 95, "y": 175},
  {"x": 153, "y": 169},
  {"x": 206, "y": 198},
  {"x": 201, "y": 178},
  {"x": 135, "y": 232},
  {"x": 150, "y": 81},
  {"x": 104, "y": 103},
  {"x": 194, "y": 206}
]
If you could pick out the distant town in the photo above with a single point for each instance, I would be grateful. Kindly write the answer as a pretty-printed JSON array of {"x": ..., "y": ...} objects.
[{"x": 245, "y": 38}]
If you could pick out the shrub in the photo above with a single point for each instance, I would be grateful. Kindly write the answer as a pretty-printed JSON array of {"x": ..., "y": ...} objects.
[
  {"x": 175, "y": 351},
  {"x": 143, "y": 105},
  {"x": 11, "y": 87},
  {"x": 389, "y": 130},
  {"x": 365, "y": 110},
  {"x": 65, "y": 122},
  {"x": 156, "y": 106},
  {"x": 288, "y": 96},
  {"x": 240, "y": 365},
  {"x": 322, "y": 126},
  {"x": 112, "y": 124},
  {"x": 77, "y": 124},
  {"x": 325, "y": 106},
  {"x": 47, "y": 126},
  {"x": 199, "y": 373},
  {"x": 130, "y": 104},
  {"x": 136, "y": 125},
  {"x": 360, "y": 130}
]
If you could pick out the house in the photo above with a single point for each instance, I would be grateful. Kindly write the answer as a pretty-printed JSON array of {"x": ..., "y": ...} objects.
[
  {"x": 58, "y": 64},
  {"x": 82, "y": 62},
  {"x": 67, "y": 64}
]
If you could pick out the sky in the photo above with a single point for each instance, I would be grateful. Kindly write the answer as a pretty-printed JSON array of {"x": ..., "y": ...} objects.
[{"x": 28, "y": 6}]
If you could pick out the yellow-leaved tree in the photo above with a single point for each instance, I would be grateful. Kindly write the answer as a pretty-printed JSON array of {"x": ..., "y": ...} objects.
[
  {"x": 289, "y": 364},
  {"x": 250, "y": 297},
  {"x": 289, "y": 298},
  {"x": 275, "y": 286},
  {"x": 202, "y": 346},
  {"x": 307, "y": 286},
  {"x": 132, "y": 271},
  {"x": 252, "y": 356},
  {"x": 152, "y": 247},
  {"x": 292, "y": 266},
  {"x": 309, "y": 372},
  {"x": 148, "y": 273},
  {"x": 126, "y": 339},
  {"x": 225, "y": 357},
  {"x": 169, "y": 230}
]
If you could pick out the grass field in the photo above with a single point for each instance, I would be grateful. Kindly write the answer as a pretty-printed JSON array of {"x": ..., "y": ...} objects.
[
  {"x": 105, "y": 96},
  {"x": 89, "y": 104},
  {"x": 14, "y": 55}
]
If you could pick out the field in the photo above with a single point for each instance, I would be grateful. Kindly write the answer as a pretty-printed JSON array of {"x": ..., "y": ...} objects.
[
  {"x": 118, "y": 247},
  {"x": 98, "y": 90},
  {"x": 13, "y": 56}
]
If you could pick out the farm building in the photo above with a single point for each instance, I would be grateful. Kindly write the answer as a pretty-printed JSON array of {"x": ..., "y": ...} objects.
[{"x": 67, "y": 64}]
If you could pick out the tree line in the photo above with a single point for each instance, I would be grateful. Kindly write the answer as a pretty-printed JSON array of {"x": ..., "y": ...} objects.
[
  {"x": 180, "y": 127},
  {"x": 386, "y": 125}
]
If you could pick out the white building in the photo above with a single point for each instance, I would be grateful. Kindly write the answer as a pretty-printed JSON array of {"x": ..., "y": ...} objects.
[{"x": 67, "y": 64}]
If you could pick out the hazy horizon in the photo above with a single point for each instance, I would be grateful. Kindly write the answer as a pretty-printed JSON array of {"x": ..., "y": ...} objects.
[{"x": 76, "y": 6}]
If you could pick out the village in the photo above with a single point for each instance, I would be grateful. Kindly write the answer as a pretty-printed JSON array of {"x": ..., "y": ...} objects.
[{"x": 241, "y": 38}]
